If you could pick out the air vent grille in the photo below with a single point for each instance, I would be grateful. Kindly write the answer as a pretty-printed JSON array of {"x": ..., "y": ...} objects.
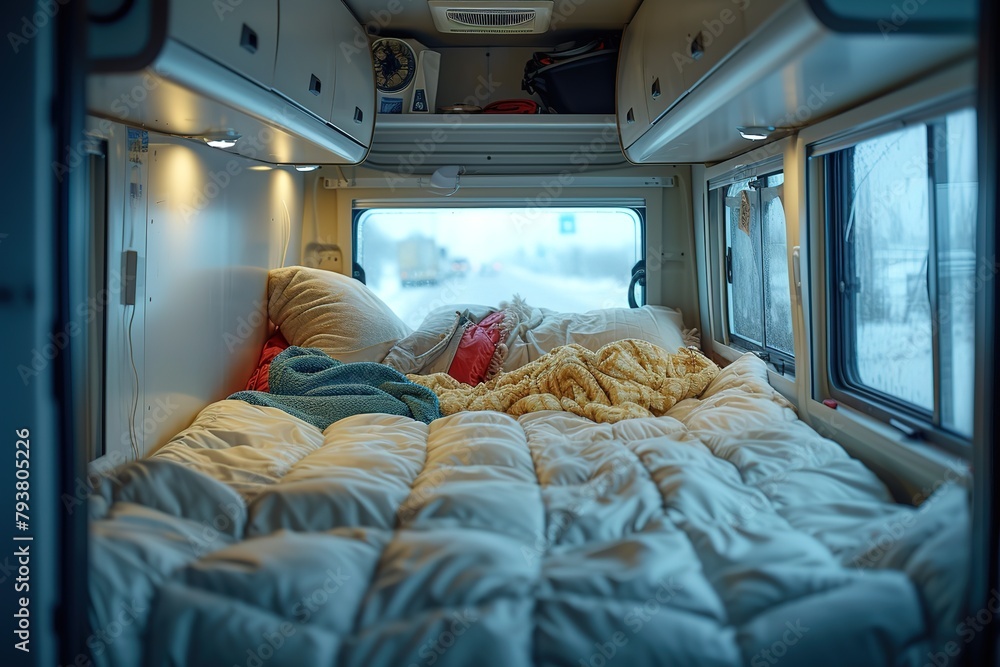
[
  {"x": 494, "y": 31},
  {"x": 491, "y": 18}
]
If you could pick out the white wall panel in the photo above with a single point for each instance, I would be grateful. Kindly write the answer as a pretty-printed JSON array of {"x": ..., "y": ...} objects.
[{"x": 212, "y": 227}]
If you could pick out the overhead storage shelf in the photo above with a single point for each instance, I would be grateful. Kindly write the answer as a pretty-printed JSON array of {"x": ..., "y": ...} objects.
[
  {"x": 495, "y": 143},
  {"x": 284, "y": 87},
  {"x": 690, "y": 74}
]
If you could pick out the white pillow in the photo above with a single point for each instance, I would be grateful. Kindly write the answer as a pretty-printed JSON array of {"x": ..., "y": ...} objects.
[
  {"x": 332, "y": 312},
  {"x": 542, "y": 330}
]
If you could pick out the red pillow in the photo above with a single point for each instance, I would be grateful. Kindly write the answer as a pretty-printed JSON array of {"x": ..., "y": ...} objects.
[
  {"x": 481, "y": 351},
  {"x": 272, "y": 348}
]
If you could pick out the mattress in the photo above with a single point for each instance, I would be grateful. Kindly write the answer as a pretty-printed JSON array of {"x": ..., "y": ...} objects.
[{"x": 724, "y": 533}]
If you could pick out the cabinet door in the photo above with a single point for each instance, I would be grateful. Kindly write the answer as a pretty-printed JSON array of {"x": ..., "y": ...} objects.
[
  {"x": 354, "y": 96},
  {"x": 712, "y": 30},
  {"x": 306, "y": 67},
  {"x": 757, "y": 12},
  {"x": 663, "y": 46},
  {"x": 243, "y": 35},
  {"x": 633, "y": 118}
]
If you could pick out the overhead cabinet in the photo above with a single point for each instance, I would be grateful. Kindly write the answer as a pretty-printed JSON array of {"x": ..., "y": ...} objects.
[
  {"x": 691, "y": 73},
  {"x": 306, "y": 66},
  {"x": 354, "y": 92},
  {"x": 241, "y": 35},
  {"x": 272, "y": 72}
]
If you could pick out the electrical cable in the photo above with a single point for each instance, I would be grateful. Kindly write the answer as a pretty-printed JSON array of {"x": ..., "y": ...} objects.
[
  {"x": 132, "y": 192},
  {"x": 315, "y": 209},
  {"x": 288, "y": 233},
  {"x": 133, "y": 434}
]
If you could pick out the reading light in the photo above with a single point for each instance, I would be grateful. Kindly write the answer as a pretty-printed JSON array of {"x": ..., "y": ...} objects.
[
  {"x": 756, "y": 133},
  {"x": 306, "y": 167},
  {"x": 447, "y": 178},
  {"x": 222, "y": 139}
]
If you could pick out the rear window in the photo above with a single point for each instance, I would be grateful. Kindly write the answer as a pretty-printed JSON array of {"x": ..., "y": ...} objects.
[{"x": 565, "y": 259}]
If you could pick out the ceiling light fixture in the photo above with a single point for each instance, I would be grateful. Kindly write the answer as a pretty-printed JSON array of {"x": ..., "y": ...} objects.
[
  {"x": 756, "y": 133},
  {"x": 225, "y": 139},
  {"x": 306, "y": 167},
  {"x": 447, "y": 177}
]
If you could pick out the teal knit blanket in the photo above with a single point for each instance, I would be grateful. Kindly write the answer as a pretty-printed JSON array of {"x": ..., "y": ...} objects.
[{"x": 318, "y": 389}]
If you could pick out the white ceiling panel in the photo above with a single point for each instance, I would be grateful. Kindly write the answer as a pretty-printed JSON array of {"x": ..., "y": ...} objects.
[{"x": 570, "y": 19}]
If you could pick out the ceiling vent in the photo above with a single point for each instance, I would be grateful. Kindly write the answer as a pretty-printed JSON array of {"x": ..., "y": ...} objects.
[{"x": 495, "y": 18}]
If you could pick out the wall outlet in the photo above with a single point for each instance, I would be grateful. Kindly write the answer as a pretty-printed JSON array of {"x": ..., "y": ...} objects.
[
  {"x": 327, "y": 256},
  {"x": 331, "y": 260}
]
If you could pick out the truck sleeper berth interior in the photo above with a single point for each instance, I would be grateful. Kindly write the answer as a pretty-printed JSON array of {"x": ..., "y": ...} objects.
[
  {"x": 715, "y": 533},
  {"x": 488, "y": 332}
]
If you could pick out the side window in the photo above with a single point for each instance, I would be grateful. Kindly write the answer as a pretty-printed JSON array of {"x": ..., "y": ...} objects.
[
  {"x": 902, "y": 242},
  {"x": 565, "y": 259},
  {"x": 758, "y": 299}
]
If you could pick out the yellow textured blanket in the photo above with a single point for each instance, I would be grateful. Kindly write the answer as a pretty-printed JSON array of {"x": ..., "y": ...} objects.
[{"x": 624, "y": 379}]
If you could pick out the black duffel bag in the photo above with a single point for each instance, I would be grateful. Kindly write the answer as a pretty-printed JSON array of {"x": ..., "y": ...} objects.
[{"x": 578, "y": 77}]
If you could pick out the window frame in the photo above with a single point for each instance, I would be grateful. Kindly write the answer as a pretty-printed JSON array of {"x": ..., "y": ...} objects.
[
  {"x": 359, "y": 208},
  {"x": 90, "y": 346},
  {"x": 844, "y": 385},
  {"x": 718, "y": 240}
]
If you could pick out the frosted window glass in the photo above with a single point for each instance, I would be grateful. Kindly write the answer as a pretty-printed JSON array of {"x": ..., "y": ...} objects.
[{"x": 565, "y": 259}]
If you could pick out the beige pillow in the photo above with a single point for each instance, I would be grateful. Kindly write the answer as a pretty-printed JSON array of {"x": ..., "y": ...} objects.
[{"x": 332, "y": 312}]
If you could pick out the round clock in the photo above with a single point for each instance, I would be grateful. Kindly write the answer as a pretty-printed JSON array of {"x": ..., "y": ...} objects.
[{"x": 395, "y": 64}]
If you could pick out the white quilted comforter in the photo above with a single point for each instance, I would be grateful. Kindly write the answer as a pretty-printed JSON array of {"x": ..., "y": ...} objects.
[{"x": 726, "y": 533}]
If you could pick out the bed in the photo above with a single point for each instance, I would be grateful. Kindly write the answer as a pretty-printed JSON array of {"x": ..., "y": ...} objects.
[{"x": 724, "y": 531}]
